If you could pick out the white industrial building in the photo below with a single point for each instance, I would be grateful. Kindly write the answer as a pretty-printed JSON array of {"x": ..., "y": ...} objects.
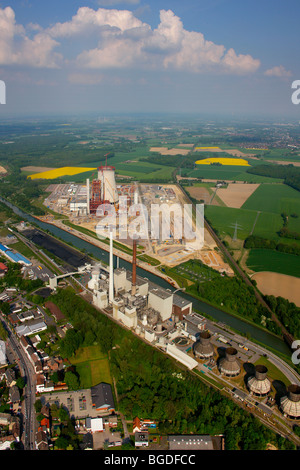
[
  {"x": 3, "y": 359},
  {"x": 94, "y": 424},
  {"x": 181, "y": 356}
]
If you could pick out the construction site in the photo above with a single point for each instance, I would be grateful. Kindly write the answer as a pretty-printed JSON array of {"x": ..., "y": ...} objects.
[{"x": 101, "y": 204}]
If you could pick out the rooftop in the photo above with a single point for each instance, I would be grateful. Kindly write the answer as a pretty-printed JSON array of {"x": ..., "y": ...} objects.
[{"x": 190, "y": 442}]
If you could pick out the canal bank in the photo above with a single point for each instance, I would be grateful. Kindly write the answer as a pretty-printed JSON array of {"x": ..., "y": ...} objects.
[{"x": 236, "y": 323}]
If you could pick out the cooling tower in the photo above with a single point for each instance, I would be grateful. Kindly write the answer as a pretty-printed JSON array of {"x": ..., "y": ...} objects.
[
  {"x": 290, "y": 404},
  {"x": 229, "y": 364},
  {"x": 259, "y": 384},
  {"x": 203, "y": 348},
  {"x": 106, "y": 174}
]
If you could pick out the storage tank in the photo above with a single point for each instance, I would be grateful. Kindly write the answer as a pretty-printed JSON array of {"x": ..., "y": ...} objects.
[
  {"x": 203, "y": 348},
  {"x": 290, "y": 404},
  {"x": 259, "y": 384},
  {"x": 229, "y": 365}
]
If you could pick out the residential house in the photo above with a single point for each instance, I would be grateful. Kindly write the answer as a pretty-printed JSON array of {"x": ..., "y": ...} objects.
[
  {"x": 10, "y": 377},
  {"x": 42, "y": 440},
  {"x": 136, "y": 425}
]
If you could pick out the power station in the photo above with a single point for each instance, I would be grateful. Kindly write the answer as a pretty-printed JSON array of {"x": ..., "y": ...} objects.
[{"x": 103, "y": 189}]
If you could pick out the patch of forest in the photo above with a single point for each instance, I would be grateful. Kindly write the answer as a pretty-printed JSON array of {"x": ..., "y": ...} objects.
[
  {"x": 289, "y": 173},
  {"x": 253, "y": 241}
]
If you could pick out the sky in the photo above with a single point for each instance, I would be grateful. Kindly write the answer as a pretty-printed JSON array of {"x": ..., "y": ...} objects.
[{"x": 209, "y": 57}]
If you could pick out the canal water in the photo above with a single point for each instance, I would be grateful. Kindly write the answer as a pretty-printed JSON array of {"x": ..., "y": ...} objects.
[{"x": 217, "y": 314}]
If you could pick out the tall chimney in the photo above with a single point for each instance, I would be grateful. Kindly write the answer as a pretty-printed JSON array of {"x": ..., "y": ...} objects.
[
  {"x": 88, "y": 196},
  {"x": 133, "y": 287},
  {"x": 111, "y": 268}
]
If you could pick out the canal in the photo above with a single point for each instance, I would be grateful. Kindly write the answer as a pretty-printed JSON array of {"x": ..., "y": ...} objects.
[{"x": 218, "y": 315}]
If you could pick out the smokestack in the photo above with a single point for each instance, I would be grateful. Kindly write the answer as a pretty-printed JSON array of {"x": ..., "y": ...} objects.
[
  {"x": 88, "y": 195},
  {"x": 133, "y": 289},
  {"x": 111, "y": 268}
]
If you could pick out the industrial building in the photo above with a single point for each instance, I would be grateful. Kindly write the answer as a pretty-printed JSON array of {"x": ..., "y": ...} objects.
[
  {"x": 229, "y": 365},
  {"x": 191, "y": 442},
  {"x": 290, "y": 403},
  {"x": 203, "y": 349},
  {"x": 259, "y": 384},
  {"x": 102, "y": 190},
  {"x": 14, "y": 256}
]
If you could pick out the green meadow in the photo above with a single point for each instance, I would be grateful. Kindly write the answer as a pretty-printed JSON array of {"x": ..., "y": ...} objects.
[
  {"x": 92, "y": 366},
  {"x": 269, "y": 260}
]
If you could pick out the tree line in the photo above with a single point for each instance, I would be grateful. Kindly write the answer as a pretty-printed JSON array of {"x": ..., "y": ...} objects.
[
  {"x": 232, "y": 294},
  {"x": 289, "y": 173},
  {"x": 254, "y": 241}
]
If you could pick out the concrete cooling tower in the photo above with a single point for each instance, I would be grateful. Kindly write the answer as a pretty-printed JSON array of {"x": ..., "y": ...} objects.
[
  {"x": 259, "y": 384},
  {"x": 106, "y": 174},
  {"x": 290, "y": 404},
  {"x": 203, "y": 349},
  {"x": 229, "y": 365}
]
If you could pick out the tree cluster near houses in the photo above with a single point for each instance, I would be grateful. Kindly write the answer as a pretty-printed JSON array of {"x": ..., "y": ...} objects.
[{"x": 56, "y": 429}]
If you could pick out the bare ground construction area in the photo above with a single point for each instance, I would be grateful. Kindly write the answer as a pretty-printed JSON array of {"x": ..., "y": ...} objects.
[
  {"x": 236, "y": 194},
  {"x": 36, "y": 169},
  {"x": 166, "y": 151},
  {"x": 277, "y": 284},
  {"x": 201, "y": 193}
]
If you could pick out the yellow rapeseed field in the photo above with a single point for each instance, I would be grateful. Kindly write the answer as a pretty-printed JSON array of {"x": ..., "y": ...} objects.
[
  {"x": 223, "y": 161},
  {"x": 207, "y": 148},
  {"x": 57, "y": 172}
]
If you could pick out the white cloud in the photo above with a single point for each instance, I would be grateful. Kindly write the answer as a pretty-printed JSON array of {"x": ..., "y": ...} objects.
[
  {"x": 89, "y": 20},
  {"x": 121, "y": 40},
  {"x": 110, "y": 3},
  {"x": 124, "y": 41},
  {"x": 278, "y": 71},
  {"x": 17, "y": 48}
]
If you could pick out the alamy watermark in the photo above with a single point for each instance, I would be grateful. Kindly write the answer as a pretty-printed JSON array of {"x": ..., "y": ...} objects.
[
  {"x": 163, "y": 222},
  {"x": 296, "y": 354},
  {"x": 296, "y": 94},
  {"x": 2, "y": 92}
]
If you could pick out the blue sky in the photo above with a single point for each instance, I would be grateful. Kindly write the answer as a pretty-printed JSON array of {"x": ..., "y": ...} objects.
[{"x": 220, "y": 57}]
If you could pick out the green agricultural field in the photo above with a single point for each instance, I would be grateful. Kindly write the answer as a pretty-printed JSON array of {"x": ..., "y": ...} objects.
[
  {"x": 268, "y": 225},
  {"x": 223, "y": 220},
  {"x": 269, "y": 260},
  {"x": 224, "y": 172},
  {"x": 274, "y": 198},
  {"x": 92, "y": 366}
]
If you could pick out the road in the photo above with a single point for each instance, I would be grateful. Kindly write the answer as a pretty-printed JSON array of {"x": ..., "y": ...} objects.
[{"x": 26, "y": 369}]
